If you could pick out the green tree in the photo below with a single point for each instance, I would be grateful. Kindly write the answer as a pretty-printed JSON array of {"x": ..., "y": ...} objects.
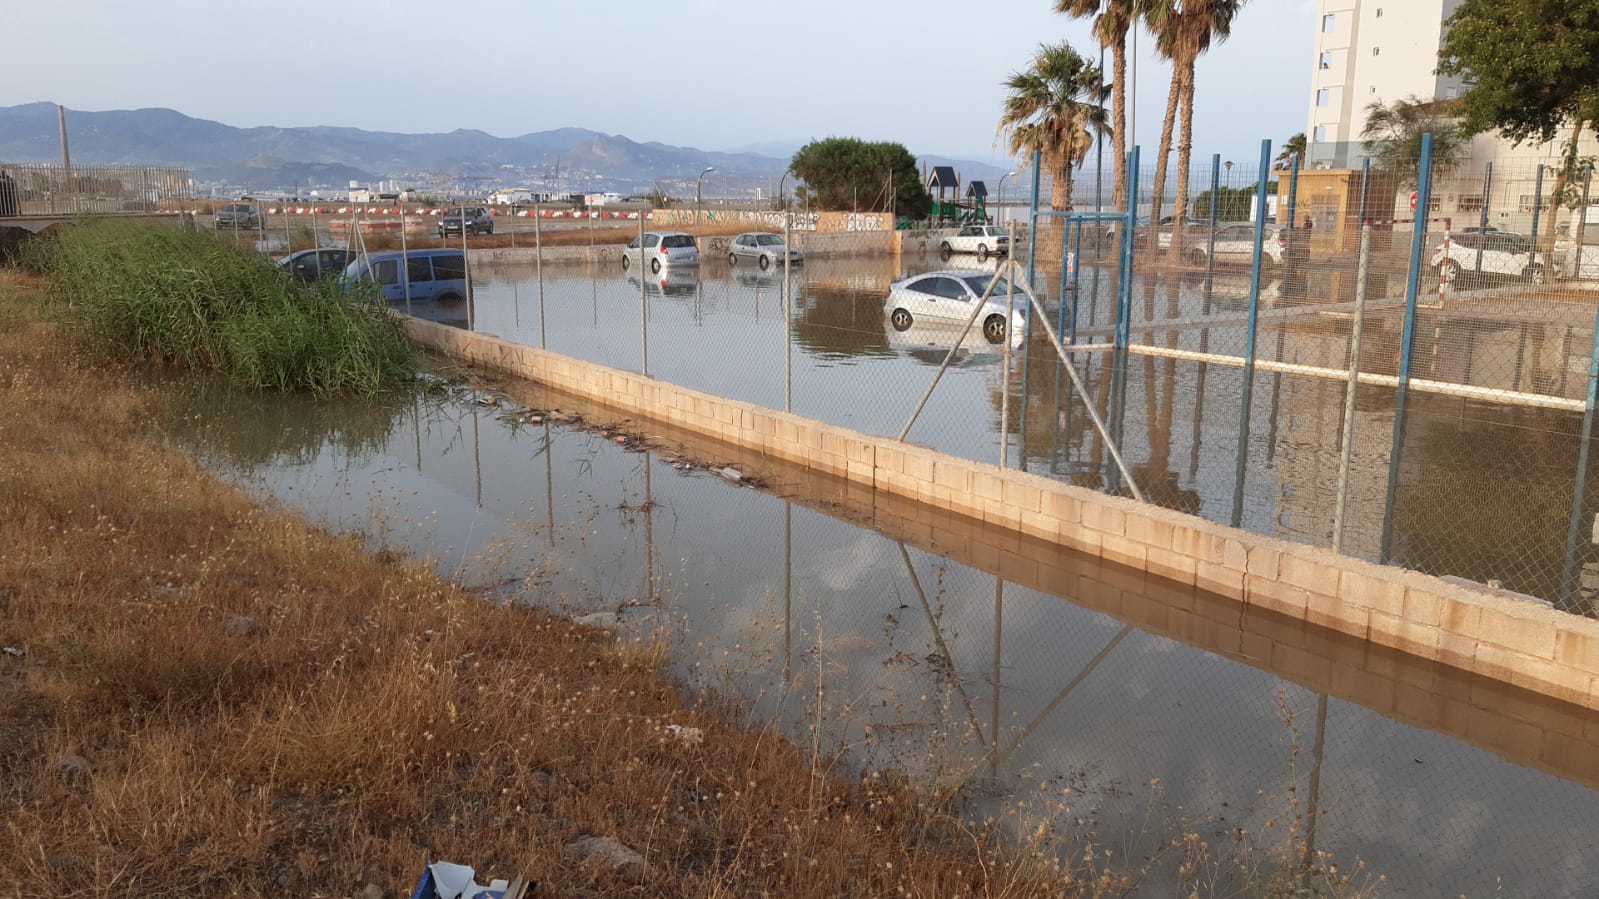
[
  {"x": 1232, "y": 205},
  {"x": 1532, "y": 67},
  {"x": 1113, "y": 19},
  {"x": 1393, "y": 135},
  {"x": 1055, "y": 107},
  {"x": 1293, "y": 146},
  {"x": 851, "y": 174},
  {"x": 1183, "y": 31}
]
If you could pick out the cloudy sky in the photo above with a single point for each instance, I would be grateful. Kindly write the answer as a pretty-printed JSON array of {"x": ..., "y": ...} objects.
[{"x": 713, "y": 74}]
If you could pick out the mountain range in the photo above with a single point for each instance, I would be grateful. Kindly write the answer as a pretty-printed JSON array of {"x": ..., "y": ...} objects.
[{"x": 270, "y": 157}]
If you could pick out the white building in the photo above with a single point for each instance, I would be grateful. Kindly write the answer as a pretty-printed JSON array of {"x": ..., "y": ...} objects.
[{"x": 1386, "y": 50}]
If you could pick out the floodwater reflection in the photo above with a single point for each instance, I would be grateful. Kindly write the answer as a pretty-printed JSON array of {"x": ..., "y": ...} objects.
[{"x": 924, "y": 644}]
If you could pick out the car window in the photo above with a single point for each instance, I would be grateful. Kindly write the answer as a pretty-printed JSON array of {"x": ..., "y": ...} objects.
[
  {"x": 946, "y": 288},
  {"x": 334, "y": 259},
  {"x": 387, "y": 271},
  {"x": 771, "y": 240},
  {"x": 677, "y": 241},
  {"x": 979, "y": 283},
  {"x": 633, "y": 244},
  {"x": 449, "y": 267},
  {"x": 418, "y": 268},
  {"x": 651, "y": 240}
]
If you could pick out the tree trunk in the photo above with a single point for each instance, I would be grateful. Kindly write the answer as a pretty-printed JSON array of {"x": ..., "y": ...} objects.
[
  {"x": 1546, "y": 241},
  {"x": 1159, "y": 185},
  {"x": 1118, "y": 55},
  {"x": 1185, "y": 144},
  {"x": 1060, "y": 190}
]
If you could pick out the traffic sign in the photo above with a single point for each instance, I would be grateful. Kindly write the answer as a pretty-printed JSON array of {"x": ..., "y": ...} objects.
[{"x": 1413, "y": 199}]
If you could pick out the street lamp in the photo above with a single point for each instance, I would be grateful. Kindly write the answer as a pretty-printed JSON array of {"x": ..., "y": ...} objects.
[
  {"x": 782, "y": 197},
  {"x": 1228, "y": 165},
  {"x": 698, "y": 202},
  {"x": 1001, "y": 192}
]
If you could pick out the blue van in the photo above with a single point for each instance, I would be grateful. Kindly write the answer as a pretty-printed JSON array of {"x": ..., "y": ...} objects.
[{"x": 436, "y": 275}]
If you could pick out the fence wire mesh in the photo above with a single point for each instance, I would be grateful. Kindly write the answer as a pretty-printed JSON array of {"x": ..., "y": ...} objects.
[{"x": 47, "y": 189}]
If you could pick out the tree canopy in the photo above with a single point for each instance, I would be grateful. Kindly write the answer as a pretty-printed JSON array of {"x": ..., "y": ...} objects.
[
  {"x": 1393, "y": 135},
  {"x": 1055, "y": 106},
  {"x": 1532, "y": 65},
  {"x": 848, "y": 173}
]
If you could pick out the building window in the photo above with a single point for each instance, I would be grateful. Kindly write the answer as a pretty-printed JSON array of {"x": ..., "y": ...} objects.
[
  {"x": 1321, "y": 134},
  {"x": 1470, "y": 203},
  {"x": 1373, "y": 89},
  {"x": 1526, "y": 204},
  {"x": 1326, "y": 60},
  {"x": 1329, "y": 23},
  {"x": 1376, "y": 51},
  {"x": 1323, "y": 96},
  {"x": 1379, "y": 12}
]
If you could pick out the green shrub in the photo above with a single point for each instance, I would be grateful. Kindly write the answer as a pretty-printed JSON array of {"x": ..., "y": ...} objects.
[{"x": 188, "y": 300}]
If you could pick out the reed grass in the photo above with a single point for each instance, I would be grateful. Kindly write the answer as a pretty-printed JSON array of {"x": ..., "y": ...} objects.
[{"x": 187, "y": 300}]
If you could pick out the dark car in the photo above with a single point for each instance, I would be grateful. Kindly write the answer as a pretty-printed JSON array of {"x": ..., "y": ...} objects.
[
  {"x": 240, "y": 217},
  {"x": 475, "y": 219},
  {"x": 309, "y": 265}
]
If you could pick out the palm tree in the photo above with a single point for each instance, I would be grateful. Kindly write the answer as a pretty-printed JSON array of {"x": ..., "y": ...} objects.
[
  {"x": 1393, "y": 136},
  {"x": 1182, "y": 35},
  {"x": 1113, "y": 20},
  {"x": 1055, "y": 107},
  {"x": 1294, "y": 146}
]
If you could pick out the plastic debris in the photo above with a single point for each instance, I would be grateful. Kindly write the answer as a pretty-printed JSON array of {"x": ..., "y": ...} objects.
[
  {"x": 731, "y": 473},
  {"x": 689, "y": 735},
  {"x": 17, "y": 651}
]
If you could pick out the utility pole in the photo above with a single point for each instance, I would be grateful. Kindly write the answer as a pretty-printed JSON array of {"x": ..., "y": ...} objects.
[{"x": 66, "y": 158}]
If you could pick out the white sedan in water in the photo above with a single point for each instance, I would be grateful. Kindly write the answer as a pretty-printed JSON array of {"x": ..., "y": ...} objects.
[
  {"x": 764, "y": 248},
  {"x": 979, "y": 239},
  {"x": 950, "y": 296}
]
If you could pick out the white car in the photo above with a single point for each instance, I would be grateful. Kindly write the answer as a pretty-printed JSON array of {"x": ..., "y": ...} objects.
[
  {"x": 1235, "y": 243},
  {"x": 662, "y": 248},
  {"x": 1489, "y": 254},
  {"x": 764, "y": 248},
  {"x": 950, "y": 296},
  {"x": 979, "y": 239}
]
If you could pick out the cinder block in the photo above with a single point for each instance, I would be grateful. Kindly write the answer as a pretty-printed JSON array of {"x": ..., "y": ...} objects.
[
  {"x": 1372, "y": 592},
  {"x": 1115, "y": 547},
  {"x": 1338, "y": 614},
  {"x": 1263, "y": 562},
  {"x": 1149, "y": 531},
  {"x": 1458, "y": 650},
  {"x": 1024, "y": 497},
  {"x": 1062, "y": 507},
  {"x": 1270, "y": 593},
  {"x": 1530, "y": 631},
  {"x": 1577, "y": 649},
  {"x": 1461, "y": 616},
  {"x": 1404, "y": 635},
  {"x": 1423, "y": 607},
  {"x": 1170, "y": 565},
  {"x": 1235, "y": 554},
  {"x": 1101, "y": 517},
  {"x": 988, "y": 486},
  {"x": 1218, "y": 578},
  {"x": 951, "y": 474}
]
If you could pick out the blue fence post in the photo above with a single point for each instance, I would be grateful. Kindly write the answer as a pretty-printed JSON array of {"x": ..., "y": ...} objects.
[
  {"x": 1293, "y": 188},
  {"x": 1077, "y": 268},
  {"x": 1537, "y": 204},
  {"x": 1365, "y": 190},
  {"x": 1249, "y": 343},
  {"x": 1482, "y": 220},
  {"x": 1124, "y": 314},
  {"x": 1407, "y": 341},
  {"x": 1215, "y": 206}
]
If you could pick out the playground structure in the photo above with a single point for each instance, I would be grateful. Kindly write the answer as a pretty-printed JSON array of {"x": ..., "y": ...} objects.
[{"x": 944, "y": 185}]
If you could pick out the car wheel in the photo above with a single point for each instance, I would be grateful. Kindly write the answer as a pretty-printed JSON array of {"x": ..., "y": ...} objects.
[
  {"x": 982, "y": 252},
  {"x": 994, "y": 328},
  {"x": 449, "y": 297},
  {"x": 766, "y": 263},
  {"x": 490, "y": 229},
  {"x": 900, "y": 319},
  {"x": 1535, "y": 274},
  {"x": 1449, "y": 271},
  {"x": 655, "y": 265},
  {"x": 625, "y": 262},
  {"x": 732, "y": 259}
]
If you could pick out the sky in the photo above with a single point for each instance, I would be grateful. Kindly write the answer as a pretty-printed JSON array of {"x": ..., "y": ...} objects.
[{"x": 711, "y": 74}]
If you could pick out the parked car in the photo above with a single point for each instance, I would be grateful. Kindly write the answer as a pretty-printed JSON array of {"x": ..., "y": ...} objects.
[
  {"x": 1489, "y": 254},
  {"x": 240, "y": 217},
  {"x": 763, "y": 247},
  {"x": 1235, "y": 243},
  {"x": 951, "y": 296},
  {"x": 979, "y": 239},
  {"x": 417, "y": 275},
  {"x": 662, "y": 248},
  {"x": 309, "y": 265},
  {"x": 475, "y": 219}
]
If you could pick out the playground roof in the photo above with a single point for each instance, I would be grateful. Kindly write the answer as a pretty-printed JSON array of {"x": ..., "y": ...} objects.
[
  {"x": 944, "y": 176},
  {"x": 977, "y": 189}
]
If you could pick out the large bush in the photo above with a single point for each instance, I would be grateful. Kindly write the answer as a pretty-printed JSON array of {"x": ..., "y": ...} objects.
[{"x": 188, "y": 300}]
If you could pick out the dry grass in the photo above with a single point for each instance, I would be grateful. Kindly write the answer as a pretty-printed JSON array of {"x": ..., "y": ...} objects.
[{"x": 379, "y": 713}]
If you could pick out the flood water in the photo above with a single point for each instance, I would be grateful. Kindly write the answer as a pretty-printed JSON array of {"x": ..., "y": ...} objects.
[
  {"x": 1482, "y": 491},
  {"x": 918, "y": 651}
]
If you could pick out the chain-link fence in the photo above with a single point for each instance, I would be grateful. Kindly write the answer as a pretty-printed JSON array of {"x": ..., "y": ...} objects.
[
  {"x": 43, "y": 189},
  {"x": 1303, "y": 356}
]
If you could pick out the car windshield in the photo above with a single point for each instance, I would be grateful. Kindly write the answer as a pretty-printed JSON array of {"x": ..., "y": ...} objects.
[
  {"x": 677, "y": 241},
  {"x": 979, "y": 283}
]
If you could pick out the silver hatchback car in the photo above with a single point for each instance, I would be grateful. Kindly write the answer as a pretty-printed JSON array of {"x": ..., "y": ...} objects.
[
  {"x": 660, "y": 249},
  {"x": 765, "y": 248},
  {"x": 950, "y": 296}
]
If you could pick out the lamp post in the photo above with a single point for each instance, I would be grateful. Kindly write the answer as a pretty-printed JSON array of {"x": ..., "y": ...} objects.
[
  {"x": 1001, "y": 192},
  {"x": 783, "y": 197},
  {"x": 698, "y": 202},
  {"x": 1228, "y": 165}
]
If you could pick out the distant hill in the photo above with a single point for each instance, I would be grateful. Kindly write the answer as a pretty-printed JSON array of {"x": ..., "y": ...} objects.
[{"x": 269, "y": 157}]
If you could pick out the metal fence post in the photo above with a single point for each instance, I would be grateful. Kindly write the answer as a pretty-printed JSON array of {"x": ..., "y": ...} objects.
[
  {"x": 1571, "y": 575},
  {"x": 1347, "y": 440},
  {"x": 1293, "y": 187},
  {"x": 1537, "y": 204},
  {"x": 788, "y": 313},
  {"x": 538, "y": 265},
  {"x": 1482, "y": 222},
  {"x": 1241, "y": 464},
  {"x": 1210, "y": 247},
  {"x": 1407, "y": 341},
  {"x": 643, "y": 299},
  {"x": 1027, "y": 314},
  {"x": 1124, "y": 314}
]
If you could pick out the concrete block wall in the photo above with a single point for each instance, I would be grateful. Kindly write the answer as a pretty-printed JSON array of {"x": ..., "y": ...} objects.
[{"x": 1526, "y": 645}]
